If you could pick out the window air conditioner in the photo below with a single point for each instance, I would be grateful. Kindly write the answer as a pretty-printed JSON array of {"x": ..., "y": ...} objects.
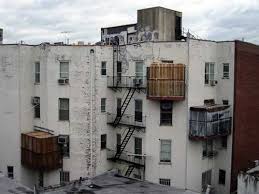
[
  {"x": 213, "y": 82},
  {"x": 63, "y": 81}
]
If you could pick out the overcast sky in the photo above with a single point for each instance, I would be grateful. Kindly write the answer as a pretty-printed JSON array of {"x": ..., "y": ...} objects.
[{"x": 36, "y": 21}]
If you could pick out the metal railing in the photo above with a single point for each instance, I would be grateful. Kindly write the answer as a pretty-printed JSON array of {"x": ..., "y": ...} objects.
[
  {"x": 127, "y": 82},
  {"x": 128, "y": 157},
  {"x": 219, "y": 127},
  {"x": 126, "y": 119}
]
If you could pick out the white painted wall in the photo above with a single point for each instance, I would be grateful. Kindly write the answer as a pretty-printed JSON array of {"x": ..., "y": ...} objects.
[{"x": 87, "y": 123}]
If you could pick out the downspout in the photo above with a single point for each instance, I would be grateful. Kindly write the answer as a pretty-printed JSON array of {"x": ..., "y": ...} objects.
[{"x": 186, "y": 97}]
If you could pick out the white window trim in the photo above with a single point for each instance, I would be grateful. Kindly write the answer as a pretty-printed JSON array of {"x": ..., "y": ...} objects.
[
  {"x": 160, "y": 146},
  {"x": 224, "y": 72},
  {"x": 209, "y": 73}
]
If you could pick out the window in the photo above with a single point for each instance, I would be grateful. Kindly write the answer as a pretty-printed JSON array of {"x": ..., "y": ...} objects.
[
  {"x": 207, "y": 148},
  {"x": 166, "y": 108},
  {"x": 37, "y": 108},
  {"x": 209, "y": 72},
  {"x": 37, "y": 72},
  {"x": 64, "y": 141},
  {"x": 166, "y": 182},
  {"x": 41, "y": 179},
  {"x": 103, "y": 68},
  {"x": 138, "y": 145},
  {"x": 138, "y": 110},
  {"x": 224, "y": 142},
  {"x": 103, "y": 141},
  {"x": 64, "y": 176},
  {"x": 222, "y": 177},
  {"x": 10, "y": 172},
  {"x": 206, "y": 179},
  {"x": 225, "y": 102},
  {"x": 103, "y": 104},
  {"x": 63, "y": 109},
  {"x": 225, "y": 70},
  {"x": 119, "y": 69},
  {"x": 139, "y": 69},
  {"x": 165, "y": 150},
  {"x": 118, "y": 106},
  {"x": 64, "y": 69},
  {"x": 118, "y": 137}
]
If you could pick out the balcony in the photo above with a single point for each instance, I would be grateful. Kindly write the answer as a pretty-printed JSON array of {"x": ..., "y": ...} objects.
[
  {"x": 128, "y": 157},
  {"x": 126, "y": 82},
  {"x": 209, "y": 122},
  {"x": 166, "y": 81},
  {"x": 129, "y": 120},
  {"x": 40, "y": 151}
]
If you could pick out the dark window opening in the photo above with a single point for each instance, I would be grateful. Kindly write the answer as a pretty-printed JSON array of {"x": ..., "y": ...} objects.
[
  {"x": 103, "y": 69},
  {"x": 224, "y": 142},
  {"x": 10, "y": 173},
  {"x": 64, "y": 176},
  {"x": 166, "y": 112},
  {"x": 103, "y": 141},
  {"x": 138, "y": 110},
  {"x": 37, "y": 108},
  {"x": 166, "y": 182},
  {"x": 222, "y": 177}
]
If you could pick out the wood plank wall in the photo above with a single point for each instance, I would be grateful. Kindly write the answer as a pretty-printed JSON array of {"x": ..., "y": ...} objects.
[{"x": 166, "y": 80}]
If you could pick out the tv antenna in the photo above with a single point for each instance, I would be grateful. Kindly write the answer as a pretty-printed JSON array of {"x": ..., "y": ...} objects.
[{"x": 66, "y": 36}]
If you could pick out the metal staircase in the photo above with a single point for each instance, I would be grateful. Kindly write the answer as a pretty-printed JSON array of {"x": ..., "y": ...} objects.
[
  {"x": 124, "y": 143},
  {"x": 124, "y": 106},
  {"x": 129, "y": 170}
]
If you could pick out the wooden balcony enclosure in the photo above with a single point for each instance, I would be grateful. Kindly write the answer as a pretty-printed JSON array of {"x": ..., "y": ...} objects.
[
  {"x": 40, "y": 151},
  {"x": 166, "y": 81}
]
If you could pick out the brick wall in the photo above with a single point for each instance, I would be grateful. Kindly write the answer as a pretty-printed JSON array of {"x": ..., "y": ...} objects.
[{"x": 246, "y": 108}]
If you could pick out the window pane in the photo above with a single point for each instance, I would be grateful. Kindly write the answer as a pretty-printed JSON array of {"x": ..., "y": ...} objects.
[
  {"x": 37, "y": 72},
  {"x": 64, "y": 69},
  {"x": 139, "y": 69},
  {"x": 207, "y": 68},
  {"x": 103, "y": 104},
  {"x": 64, "y": 104},
  {"x": 165, "y": 151},
  {"x": 103, "y": 68},
  {"x": 63, "y": 109}
]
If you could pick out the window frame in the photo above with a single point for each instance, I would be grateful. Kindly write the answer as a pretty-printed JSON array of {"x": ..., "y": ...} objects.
[
  {"x": 207, "y": 146},
  {"x": 209, "y": 73},
  {"x": 10, "y": 174},
  {"x": 222, "y": 177},
  {"x": 37, "y": 109},
  {"x": 63, "y": 176},
  {"x": 37, "y": 72},
  {"x": 59, "y": 109},
  {"x": 161, "y": 159},
  {"x": 103, "y": 68},
  {"x": 138, "y": 110},
  {"x": 103, "y": 105},
  {"x": 225, "y": 74},
  {"x": 166, "y": 121},
  {"x": 103, "y": 141},
  {"x": 138, "y": 145},
  {"x": 61, "y": 72},
  {"x": 163, "y": 181}
]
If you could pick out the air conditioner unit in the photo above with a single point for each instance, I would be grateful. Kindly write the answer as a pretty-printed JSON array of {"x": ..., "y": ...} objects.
[
  {"x": 35, "y": 101},
  {"x": 62, "y": 139},
  {"x": 137, "y": 82},
  {"x": 213, "y": 82},
  {"x": 63, "y": 81}
]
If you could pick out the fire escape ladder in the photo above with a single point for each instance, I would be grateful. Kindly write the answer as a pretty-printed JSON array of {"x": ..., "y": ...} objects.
[
  {"x": 124, "y": 143},
  {"x": 124, "y": 106},
  {"x": 129, "y": 170}
]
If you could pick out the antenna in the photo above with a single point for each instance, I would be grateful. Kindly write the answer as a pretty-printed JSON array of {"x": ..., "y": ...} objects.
[{"x": 65, "y": 34}]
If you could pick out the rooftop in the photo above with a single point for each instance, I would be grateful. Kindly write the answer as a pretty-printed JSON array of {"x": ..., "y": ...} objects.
[
  {"x": 9, "y": 186},
  {"x": 112, "y": 183}
]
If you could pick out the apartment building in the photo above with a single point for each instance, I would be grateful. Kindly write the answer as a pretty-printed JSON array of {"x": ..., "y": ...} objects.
[{"x": 174, "y": 112}]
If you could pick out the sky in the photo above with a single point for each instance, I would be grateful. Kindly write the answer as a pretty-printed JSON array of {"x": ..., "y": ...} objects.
[{"x": 36, "y": 21}]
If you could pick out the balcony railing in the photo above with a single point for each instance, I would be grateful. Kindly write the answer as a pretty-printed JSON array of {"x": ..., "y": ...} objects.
[
  {"x": 130, "y": 120},
  {"x": 126, "y": 82},
  {"x": 206, "y": 129},
  {"x": 129, "y": 157}
]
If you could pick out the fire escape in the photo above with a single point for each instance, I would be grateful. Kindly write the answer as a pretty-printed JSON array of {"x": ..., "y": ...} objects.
[{"x": 131, "y": 84}]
